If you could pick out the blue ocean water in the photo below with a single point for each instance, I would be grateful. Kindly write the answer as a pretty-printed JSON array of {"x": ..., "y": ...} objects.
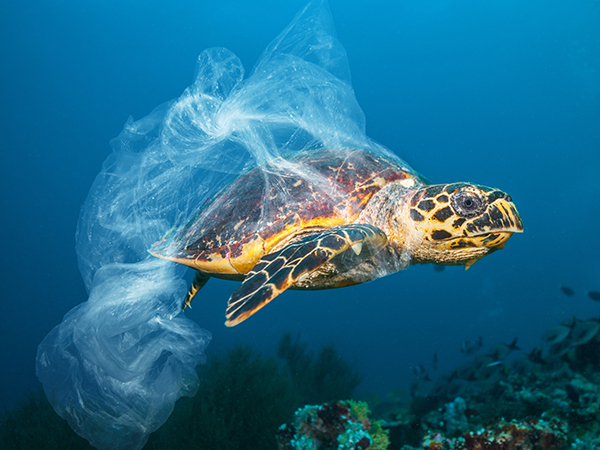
[{"x": 502, "y": 94}]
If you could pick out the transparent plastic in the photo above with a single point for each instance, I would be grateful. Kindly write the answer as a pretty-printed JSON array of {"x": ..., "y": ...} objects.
[{"x": 118, "y": 362}]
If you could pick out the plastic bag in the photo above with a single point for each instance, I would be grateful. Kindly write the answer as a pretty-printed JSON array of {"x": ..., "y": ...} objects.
[{"x": 117, "y": 363}]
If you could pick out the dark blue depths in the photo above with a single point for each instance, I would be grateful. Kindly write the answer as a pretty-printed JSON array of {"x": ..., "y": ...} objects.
[{"x": 502, "y": 94}]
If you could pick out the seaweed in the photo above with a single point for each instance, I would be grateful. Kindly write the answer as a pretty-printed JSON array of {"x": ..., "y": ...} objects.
[
  {"x": 33, "y": 424},
  {"x": 324, "y": 378},
  {"x": 242, "y": 400}
]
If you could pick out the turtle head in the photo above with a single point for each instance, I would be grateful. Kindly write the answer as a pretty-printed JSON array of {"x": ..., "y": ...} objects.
[{"x": 460, "y": 223}]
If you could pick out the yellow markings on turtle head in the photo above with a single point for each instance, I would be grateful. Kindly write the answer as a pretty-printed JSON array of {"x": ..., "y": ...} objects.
[{"x": 461, "y": 223}]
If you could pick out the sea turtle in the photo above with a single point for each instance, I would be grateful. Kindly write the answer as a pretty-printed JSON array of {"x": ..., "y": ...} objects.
[{"x": 329, "y": 218}]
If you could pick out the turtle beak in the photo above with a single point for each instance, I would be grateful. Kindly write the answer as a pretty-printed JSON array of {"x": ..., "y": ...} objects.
[
  {"x": 504, "y": 220},
  {"x": 505, "y": 216}
]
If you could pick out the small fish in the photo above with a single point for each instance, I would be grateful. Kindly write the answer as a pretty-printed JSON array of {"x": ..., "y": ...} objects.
[
  {"x": 570, "y": 322},
  {"x": 501, "y": 351},
  {"x": 439, "y": 268},
  {"x": 556, "y": 334},
  {"x": 535, "y": 356},
  {"x": 470, "y": 347},
  {"x": 594, "y": 295},
  {"x": 584, "y": 331},
  {"x": 435, "y": 361},
  {"x": 491, "y": 371},
  {"x": 481, "y": 362},
  {"x": 420, "y": 372},
  {"x": 455, "y": 388},
  {"x": 560, "y": 349},
  {"x": 494, "y": 363},
  {"x": 567, "y": 291},
  {"x": 418, "y": 387},
  {"x": 466, "y": 371}
]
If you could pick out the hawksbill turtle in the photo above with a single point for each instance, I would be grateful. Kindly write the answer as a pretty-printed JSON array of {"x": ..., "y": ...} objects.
[{"x": 340, "y": 217}]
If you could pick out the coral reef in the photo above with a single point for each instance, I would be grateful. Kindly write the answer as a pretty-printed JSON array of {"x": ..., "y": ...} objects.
[
  {"x": 502, "y": 435},
  {"x": 455, "y": 417},
  {"x": 547, "y": 399},
  {"x": 342, "y": 425}
]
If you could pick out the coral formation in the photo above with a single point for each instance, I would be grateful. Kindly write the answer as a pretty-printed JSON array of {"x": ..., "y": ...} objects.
[
  {"x": 342, "y": 425},
  {"x": 455, "y": 418},
  {"x": 548, "y": 399},
  {"x": 502, "y": 435}
]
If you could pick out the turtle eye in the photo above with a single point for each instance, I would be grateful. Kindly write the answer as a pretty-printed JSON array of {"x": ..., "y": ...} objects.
[{"x": 467, "y": 204}]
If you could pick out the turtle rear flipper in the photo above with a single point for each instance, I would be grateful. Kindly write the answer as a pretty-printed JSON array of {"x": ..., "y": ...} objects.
[
  {"x": 200, "y": 280},
  {"x": 277, "y": 271}
]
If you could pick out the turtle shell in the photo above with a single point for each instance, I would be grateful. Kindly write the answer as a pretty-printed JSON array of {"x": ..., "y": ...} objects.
[{"x": 276, "y": 202}]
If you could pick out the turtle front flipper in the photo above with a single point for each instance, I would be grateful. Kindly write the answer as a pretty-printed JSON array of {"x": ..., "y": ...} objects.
[
  {"x": 199, "y": 281},
  {"x": 277, "y": 271}
]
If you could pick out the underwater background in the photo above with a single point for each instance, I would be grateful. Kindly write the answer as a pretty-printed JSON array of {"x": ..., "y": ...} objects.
[{"x": 505, "y": 94}]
